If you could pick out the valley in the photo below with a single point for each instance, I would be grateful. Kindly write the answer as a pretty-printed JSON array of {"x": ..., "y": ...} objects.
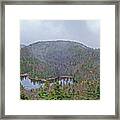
[{"x": 49, "y": 62}]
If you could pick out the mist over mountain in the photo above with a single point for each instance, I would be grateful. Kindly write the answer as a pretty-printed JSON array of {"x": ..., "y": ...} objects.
[
  {"x": 84, "y": 31},
  {"x": 22, "y": 45},
  {"x": 46, "y": 59}
]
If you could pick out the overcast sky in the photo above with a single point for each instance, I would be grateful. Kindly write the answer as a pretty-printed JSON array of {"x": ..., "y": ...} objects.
[{"x": 83, "y": 31}]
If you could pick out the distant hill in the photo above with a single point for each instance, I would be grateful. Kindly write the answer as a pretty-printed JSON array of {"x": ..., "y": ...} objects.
[
  {"x": 22, "y": 45},
  {"x": 57, "y": 58}
]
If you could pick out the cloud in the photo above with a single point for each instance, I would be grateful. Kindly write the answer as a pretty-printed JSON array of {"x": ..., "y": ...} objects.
[
  {"x": 93, "y": 25},
  {"x": 86, "y": 32}
]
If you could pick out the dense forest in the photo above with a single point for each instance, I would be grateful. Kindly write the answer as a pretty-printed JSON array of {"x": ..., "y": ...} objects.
[
  {"x": 82, "y": 90},
  {"x": 50, "y": 59}
]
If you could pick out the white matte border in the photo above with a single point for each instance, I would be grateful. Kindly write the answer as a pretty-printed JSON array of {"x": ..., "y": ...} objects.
[{"x": 104, "y": 106}]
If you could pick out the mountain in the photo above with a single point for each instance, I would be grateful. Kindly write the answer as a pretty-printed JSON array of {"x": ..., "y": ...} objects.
[
  {"x": 22, "y": 45},
  {"x": 60, "y": 58}
]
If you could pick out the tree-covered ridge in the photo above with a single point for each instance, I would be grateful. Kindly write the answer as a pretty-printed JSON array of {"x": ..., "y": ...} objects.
[{"x": 59, "y": 58}]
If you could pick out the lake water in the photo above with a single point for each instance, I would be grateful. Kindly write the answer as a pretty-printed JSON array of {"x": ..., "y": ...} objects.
[{"x": 29, "y": 84}]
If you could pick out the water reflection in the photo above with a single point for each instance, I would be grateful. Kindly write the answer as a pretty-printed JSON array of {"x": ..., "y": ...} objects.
[{"x": 29, "y": 84}]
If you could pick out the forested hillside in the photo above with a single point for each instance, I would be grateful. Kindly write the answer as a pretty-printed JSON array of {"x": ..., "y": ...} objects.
[{"x": 60, "y": 58}]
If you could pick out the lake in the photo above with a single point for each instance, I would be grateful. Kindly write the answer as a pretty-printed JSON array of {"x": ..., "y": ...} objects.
[{"x": 30, "y": 84}]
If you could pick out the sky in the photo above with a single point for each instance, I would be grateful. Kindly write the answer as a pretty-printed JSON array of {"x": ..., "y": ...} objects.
[{"x": 86, "y": 32}]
